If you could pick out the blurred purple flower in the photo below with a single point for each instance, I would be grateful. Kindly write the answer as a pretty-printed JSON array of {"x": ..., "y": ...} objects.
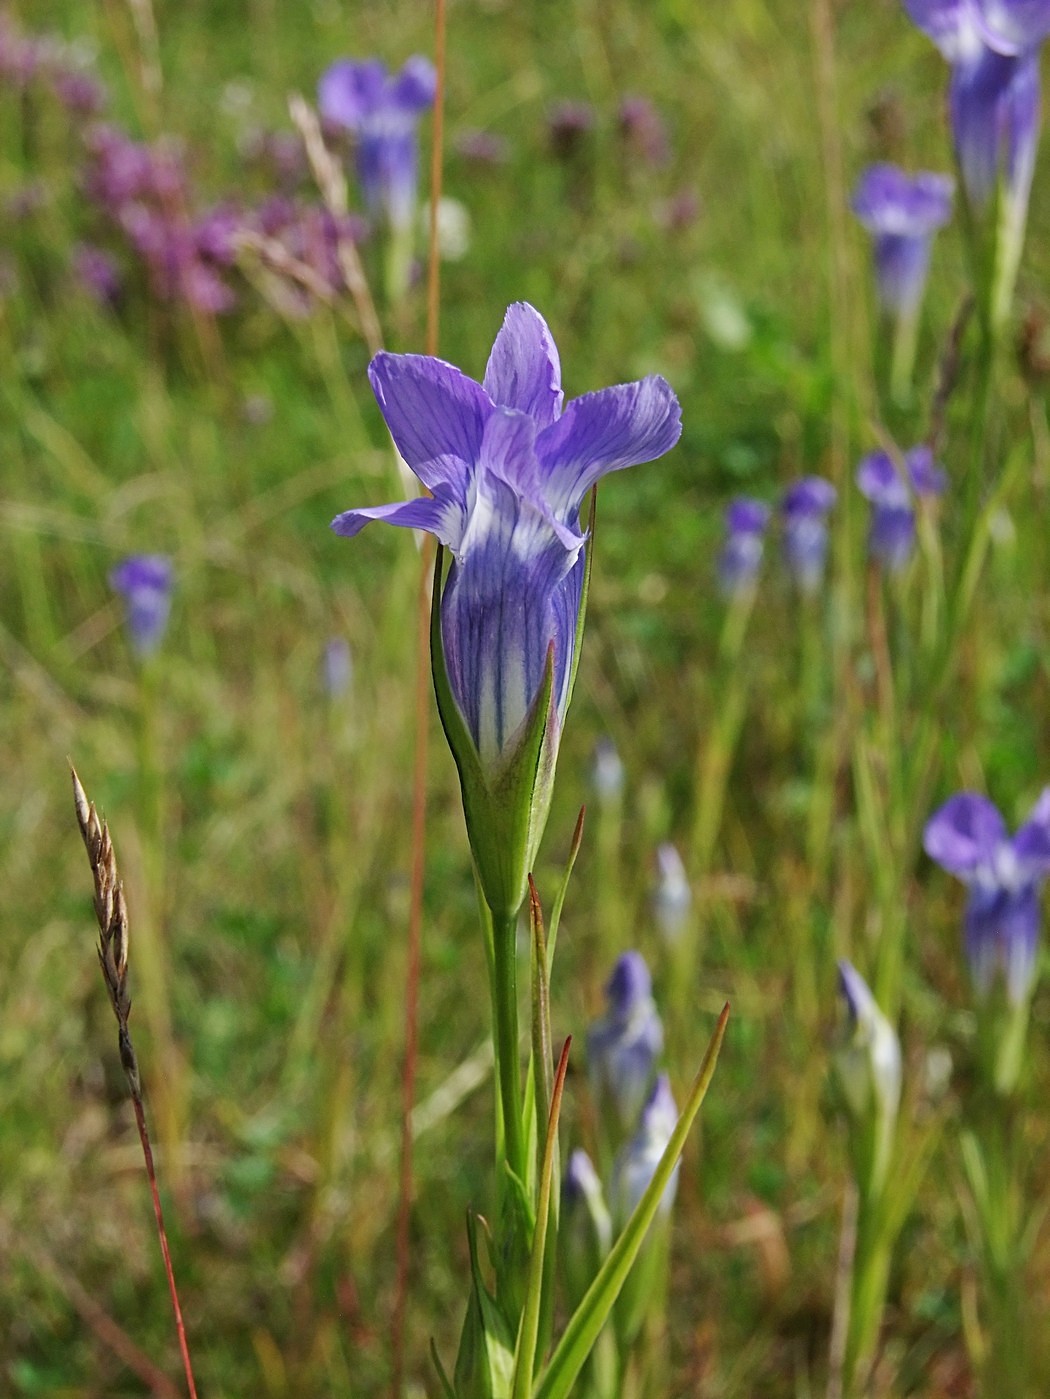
[
  {"x": 993, "y": 47},
  {"x": 741, "y": 556},
  {"x": 98, "y": 273},
  {"x": 804, "y": 510},
  {"x": 145, "y": 581},
  {"x": 891, "y": 537},
  {"x": 80, "y": 93},
  {"x": 382, "y": 111},
  {"x": 623, "y": 1046},
  {"x": 968, "y": 837},
  {"x": 636, "y": 1163},
  {"x": 509, "y": 471},
  {"x": 644, "y": 131},
  {"x": 902, "y": 212},
  {"x": 337, "y": 671}
]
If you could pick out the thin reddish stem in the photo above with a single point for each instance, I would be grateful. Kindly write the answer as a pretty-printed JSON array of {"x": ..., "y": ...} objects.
[
  {"x": 147, "y": 1152},
  {"x": 419, "y": 779}
]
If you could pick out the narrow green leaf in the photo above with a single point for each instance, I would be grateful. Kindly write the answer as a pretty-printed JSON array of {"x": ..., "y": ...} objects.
[
  {"x": 446, "y": 1383},
  {"x": 563, "y": 889},
  {"x": 583, "y": 1329}
]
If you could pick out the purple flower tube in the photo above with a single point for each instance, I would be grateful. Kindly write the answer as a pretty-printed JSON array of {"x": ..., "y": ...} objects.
[
  {"x": 994, "y": 99},
  {"x": 902, "y": 212}
]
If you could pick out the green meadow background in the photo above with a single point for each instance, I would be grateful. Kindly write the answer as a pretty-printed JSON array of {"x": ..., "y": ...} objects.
[{"x": 263, "y": 829}]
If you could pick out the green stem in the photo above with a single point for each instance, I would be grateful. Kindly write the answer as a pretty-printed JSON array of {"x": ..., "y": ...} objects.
[{"x": 505, "y": 1031}]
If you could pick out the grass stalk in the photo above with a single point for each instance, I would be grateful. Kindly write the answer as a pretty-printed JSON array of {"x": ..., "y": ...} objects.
[{"x": 112, "y": 916}]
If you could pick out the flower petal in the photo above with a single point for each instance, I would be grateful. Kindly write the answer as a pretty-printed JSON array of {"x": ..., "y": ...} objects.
[
  {"x": 606, "y": 431},
  {"x": 878, "y": 479},
  {"x": 1013, "y": 26},
  {"x": 951, "y": 24},
  {"x": 508, "y": 453},
  {"x": 1032, "y": 842},
  {"x": 440, "y": 516},
  {"x": 414, "y": 88},
  {"x": 963, "y": 834},
  {"x": 436, "y": 416},
  {"x": 524, "y": 371},
  {"x": 348, "y": 91}
]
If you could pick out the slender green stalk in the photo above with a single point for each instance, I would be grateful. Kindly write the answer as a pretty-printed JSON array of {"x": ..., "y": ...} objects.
[{"x": 505, "y": 1030}]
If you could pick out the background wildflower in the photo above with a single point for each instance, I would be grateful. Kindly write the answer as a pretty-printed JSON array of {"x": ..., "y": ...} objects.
[
  {"x": 624, "y": 1045},
  {"x": 804, "y": 510},
  {"x": 902, "y": 212},
  {"x": 382, "y": 111},
  {"x": 637, "y": 1161},
  {"x": 891, "y": 536},
  {"x": 746, "y": 521},
  {"x": 968, "y": 837},
  {"x": 144, "y": 581}
]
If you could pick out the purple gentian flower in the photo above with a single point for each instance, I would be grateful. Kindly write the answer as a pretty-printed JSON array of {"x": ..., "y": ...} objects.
[
  {"x": 968, "y": 837},
  {"x": 804, "y": 510},
  {"x": 624, "y": 1045},
  {"x": 636, "y": 1163},
  {"x": 891, "y": 536},
  {"x": 145, "y": 582},
  {"x": 741, "y": 555},
  {"x": 993, "y": 47},
  {"x": 382, "y": 111},
  {"x": 672, "y": 896},
  {"x": 509, "y": 471},
  {"x": 902, "y": 212}
]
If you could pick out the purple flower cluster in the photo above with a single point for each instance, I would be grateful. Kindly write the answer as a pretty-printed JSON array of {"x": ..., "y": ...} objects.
[
  {"x": 891, "y": 537},
  {"x": 29, "y": 61},
  {"x": 143, "y": 192}
]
